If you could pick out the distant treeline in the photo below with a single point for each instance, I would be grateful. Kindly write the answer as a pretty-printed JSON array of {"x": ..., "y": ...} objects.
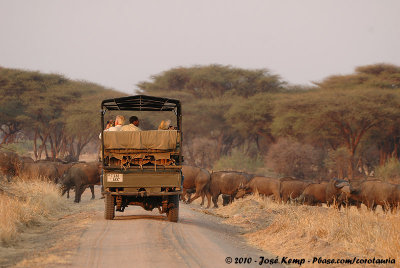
[
  {"x": 340, "y": 126},
  {"x": 59, "y": 115}
]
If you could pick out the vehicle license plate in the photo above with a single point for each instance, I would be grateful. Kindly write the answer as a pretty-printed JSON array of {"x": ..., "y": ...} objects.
[{"x": 115, "y": 177}]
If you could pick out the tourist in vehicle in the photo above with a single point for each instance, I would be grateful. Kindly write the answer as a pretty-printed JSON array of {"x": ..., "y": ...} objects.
[
  {"x": 133, "y": 124},
  {"x": 164, "y": 125},
  {"x": 110, "y": 123},
  {"x": 114, "y": 125},
  {"x": 119, "y": 122}
]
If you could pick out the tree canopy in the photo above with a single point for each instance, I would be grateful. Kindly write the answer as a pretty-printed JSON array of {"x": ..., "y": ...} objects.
[
  {"x": 214, "y": 99},
  {"x": 58, "y": 112},
  {"x": 346, "y": 122}
]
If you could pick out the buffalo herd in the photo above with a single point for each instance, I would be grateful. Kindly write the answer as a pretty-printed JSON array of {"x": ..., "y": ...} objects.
[
  {"x": 69, "y": 176},
  {"x": 229, "y": 184},
  {"x": 334, "y": 192}
]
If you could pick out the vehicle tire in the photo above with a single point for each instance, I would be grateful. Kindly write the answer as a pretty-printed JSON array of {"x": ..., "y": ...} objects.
[
  {"x": 173, "y": 211},
  {"x": 109, "y": 207}
]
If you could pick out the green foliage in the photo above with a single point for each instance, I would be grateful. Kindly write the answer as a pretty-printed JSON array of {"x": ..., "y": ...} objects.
[
  {"x": 390, "y": 171},
  {"x": 239, "y": 161},
  {"x": 346, "y": 111},
  {"x": 379, "y": 76},
  {"x": 337, "y": 117},
  {"x": 214, "y": 98},
  {"x": 212, "y": 81},
  {"x": 57, "y": 111},
  {"x": 351, "y": 119},
  {"x": 253, "y": 115},
  {"x": 207, "y": 92},
  {"x": 21, "y": 148}
]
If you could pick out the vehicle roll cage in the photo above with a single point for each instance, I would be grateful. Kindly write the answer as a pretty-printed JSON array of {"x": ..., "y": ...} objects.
[{"x": 141, "y": 103}]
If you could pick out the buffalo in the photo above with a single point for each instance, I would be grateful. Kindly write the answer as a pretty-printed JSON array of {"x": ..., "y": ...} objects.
[
  {"x": 291, "y": 188},
  {"x": 198, "y": 179},
  {"x": 333, "y": 191},
  {"x": 80, "y": 176},
  {"x": 62, "y": 168},
  {"x": 8, "y": 164},
  {"x": 262, "y": 185},
  {"x": 373, "y": 193},
  {"x": 46, "y": 170},
  {"x": 187, "y": 194},
  {"x": 313, "y": 194},
  {"x": 345, "y": 200},
  {"x": 226, "y": 199},
  {"x": 395, "y": 197},
  {"x": 228, "y": 183}
]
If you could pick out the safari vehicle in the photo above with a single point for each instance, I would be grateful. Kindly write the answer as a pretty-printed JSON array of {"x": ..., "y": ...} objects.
[{"x": 142, "y": 168}]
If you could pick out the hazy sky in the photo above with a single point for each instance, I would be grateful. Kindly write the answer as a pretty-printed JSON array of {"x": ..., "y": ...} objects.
[{"x": 118, "y": 43}]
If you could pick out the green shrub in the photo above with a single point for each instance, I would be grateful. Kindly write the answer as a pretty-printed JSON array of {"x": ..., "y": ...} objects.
[
  {"x": 239, "y": 161},
  {"x": 21, "y": 148},
  {"x": 390, "y": 171}
]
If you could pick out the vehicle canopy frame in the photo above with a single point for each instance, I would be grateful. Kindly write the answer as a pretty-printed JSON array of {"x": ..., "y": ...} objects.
[{"x": 140, "y": 103}]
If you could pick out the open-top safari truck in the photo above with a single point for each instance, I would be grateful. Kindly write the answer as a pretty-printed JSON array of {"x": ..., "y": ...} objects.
[{"x": 142, "y": 168}]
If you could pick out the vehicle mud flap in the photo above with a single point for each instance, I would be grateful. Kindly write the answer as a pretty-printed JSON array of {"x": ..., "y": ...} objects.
[
  {"x": 109, "y": 207},
  {"x": 173, "y": 208}
]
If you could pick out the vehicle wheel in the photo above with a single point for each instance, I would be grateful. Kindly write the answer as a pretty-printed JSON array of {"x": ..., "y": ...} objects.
[
  {"x": 109, "y": 207},
  {"x": 173, "y": 211}
]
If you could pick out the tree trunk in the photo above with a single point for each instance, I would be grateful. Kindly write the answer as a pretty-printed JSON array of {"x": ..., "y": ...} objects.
[
  {"x": 45, "y": 151},
  {"x": 219, "y": 145},
  {"x": 35, "y": 152},
  {"x": 43, "y": 145},
  {"x": 351, "y": 166},
  {"x": 395, "y": 150},
  {"x": 52, "y": 149}
]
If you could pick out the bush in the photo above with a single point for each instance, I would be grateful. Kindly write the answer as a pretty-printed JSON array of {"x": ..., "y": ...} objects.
[
  {"x": 291, "y": 158},
  {"x": 239, "y": 161},
  {"x": 390, "y": 171},
  {"x": 21, "y": 148},
  {"x": 200, "y": 152},
  {"x": 337, "y": 162}
]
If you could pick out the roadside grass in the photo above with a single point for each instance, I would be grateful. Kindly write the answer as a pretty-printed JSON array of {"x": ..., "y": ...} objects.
[
  {"x": 299, "y": 231},
  {"x": 26, "y": 203}
]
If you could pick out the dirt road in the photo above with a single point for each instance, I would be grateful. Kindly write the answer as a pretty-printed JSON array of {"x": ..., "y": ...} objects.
[{"x": 137, "y": 238}]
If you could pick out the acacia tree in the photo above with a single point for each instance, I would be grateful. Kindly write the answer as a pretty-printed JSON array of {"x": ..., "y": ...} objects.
[
  {"x": 252, "y": 117},
  {"x": 378, "y": 77},
  {"x": 12, "y": 107},
  {"x": 25, "y": 97},
  {"x": 36, "y": 104},
  {"x": 212, "y": 81},
  {"x": 342, "y": 117},
  {"x": 82, "y": 120},
  {"x": 207, "y": 93}
]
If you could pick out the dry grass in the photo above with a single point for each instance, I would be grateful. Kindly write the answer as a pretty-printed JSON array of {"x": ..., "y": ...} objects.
[
  {"x": 306, "y": 232},
  {"x": 27, "y": 203}
]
